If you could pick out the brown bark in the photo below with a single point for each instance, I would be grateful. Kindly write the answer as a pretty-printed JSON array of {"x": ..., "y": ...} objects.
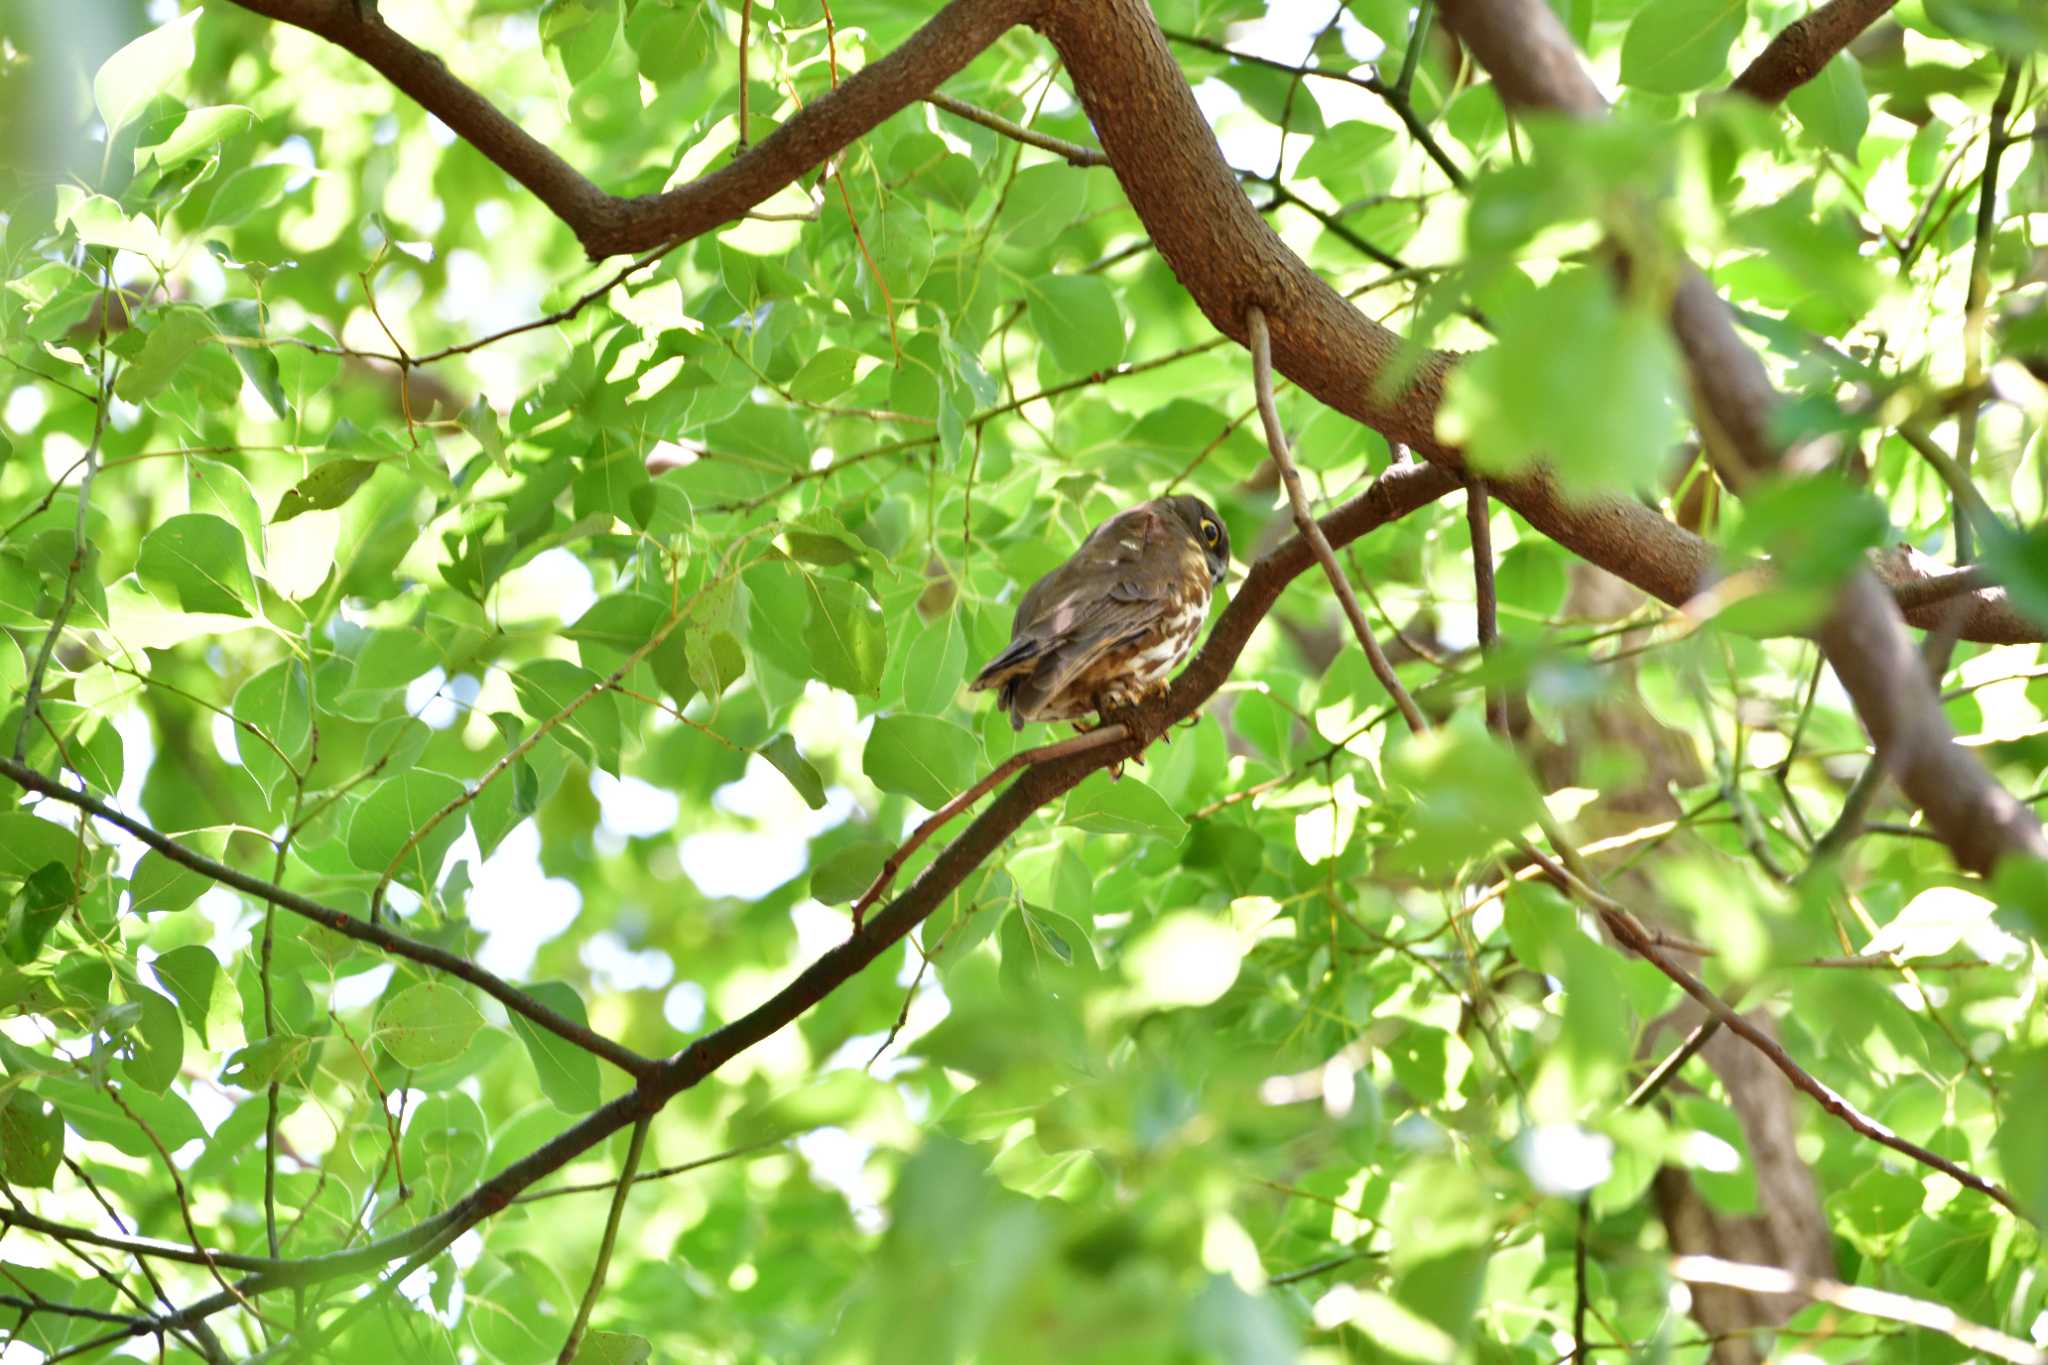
[{"x": 1806, "y": 45}]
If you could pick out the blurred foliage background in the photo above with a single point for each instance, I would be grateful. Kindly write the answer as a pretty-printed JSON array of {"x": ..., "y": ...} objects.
[{"x": 1250, "y": 1056}]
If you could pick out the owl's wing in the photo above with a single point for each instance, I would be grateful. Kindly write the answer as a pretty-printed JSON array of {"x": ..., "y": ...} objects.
[{"x": 1115, "y": 586}]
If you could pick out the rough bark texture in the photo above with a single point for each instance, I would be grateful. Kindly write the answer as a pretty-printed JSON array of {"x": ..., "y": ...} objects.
[
  {"x": 1806, "y": 45},
  {"x": 1788, "y": 1229}
]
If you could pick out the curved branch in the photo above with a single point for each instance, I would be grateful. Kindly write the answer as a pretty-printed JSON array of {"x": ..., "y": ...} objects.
[
  {"x": 608, "y": 225},
  {"x": 1534, "y": 63}
]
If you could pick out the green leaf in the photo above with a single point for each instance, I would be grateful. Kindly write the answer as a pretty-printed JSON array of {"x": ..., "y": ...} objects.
[
  {"x": 159, "y": 885},
  {"x": 329, "y": 485},
  {"x": 1350, "y": 155},
  {"x": 1077, "y": 318},
  {"x": 1044, "y": 201},
  {"x": 1834, "y": 107},
  {"x": 1126, "y": 806},
  {"x": 199, "y": 563},
  {"x": 168, "y": 345},
  {"x": 1674, "y": 46},
  {"x": 2022, "y": 1138},
  {"x": 928, "y": 760},
  {"x": 825, "y": 375},
  {"x": 139, "y": 72},
  {"x": 45, "y": 898},
  {"x": 393, "y": 812},
  {"x": 837, "y": 1098},
  {"x": 198, "y": 131},
  {"x": 781, "y": 751},
  {"x": 249, "y": 190},
  {"x": 31, "y": 1140},
  {"x": 936, "y": 666},
  {"x": 1469, "y": 792},
  {"x": 427, "y": 1024},
  {"x": 266, "y": 1060},
  {"x": 840, "y": 879},
  {"x": 157, "y": 1044},
  {"x": 28, "y": 842},
  {"x": 614, "y": 1348},
  {"x": 590, "y": 729},
  {"x": 190, "y": 974},
  {"x": 278, "y": 705},
  {"x": 568, "y": 1074},
  {"x": 1502, "y": 404},
  {"x": 818, "y": 626},
  {"x": 480, "y": 420}
]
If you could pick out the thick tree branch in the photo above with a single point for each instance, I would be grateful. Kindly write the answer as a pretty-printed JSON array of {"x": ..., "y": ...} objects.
[
  {"x": 1806, "y": 45},
  {"x": 1176, "y": 178},
  {"x": 1533, "y": 62},
  {"x": 338, "y": 920},
  {"x": 608, "y": 225}
]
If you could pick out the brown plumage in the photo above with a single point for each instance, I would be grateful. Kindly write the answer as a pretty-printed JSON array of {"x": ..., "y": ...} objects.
[{"x": 1107, "y": 627}]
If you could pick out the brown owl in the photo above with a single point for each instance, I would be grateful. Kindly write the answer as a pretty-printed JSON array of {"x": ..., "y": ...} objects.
[{"x": 1105, "y": 628}]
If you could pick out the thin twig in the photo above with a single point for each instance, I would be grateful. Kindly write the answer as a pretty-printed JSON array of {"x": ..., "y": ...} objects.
[
  {"x": 80, "y": 550},
  {"x": 746, "y": 23},
  {"x": 598, "y": 1270},
  {"x": 1261, "y": 342},
  {"x": 1397, "y": 100},
  {"x": 180, "y": 1194},
  {"x": 1632, "y": 935},
  {"x": 1580, "y": 1302},
  {"x": 1094, "y": 739},
  {"x": 1073, "y": 152},
  {"x": 664, "y": 1173},
  {"x": 1979, "y": 291},
  {"x": 1479, "y": 518}
]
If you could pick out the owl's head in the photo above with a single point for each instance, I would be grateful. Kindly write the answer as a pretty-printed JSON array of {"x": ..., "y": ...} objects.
[{"x": 1206, "y": 529}]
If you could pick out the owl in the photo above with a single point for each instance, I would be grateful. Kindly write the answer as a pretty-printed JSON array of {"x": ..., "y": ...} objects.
[{"x": 1104, "y": 629}]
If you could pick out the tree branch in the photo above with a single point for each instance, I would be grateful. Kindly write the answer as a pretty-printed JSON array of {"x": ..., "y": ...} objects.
[
  {"x": 1276, "y": 441},
  {"x": 1485, "y": 597},
  {"x": 1806, "y": 45},
  {"x": 1174, "y": 173},
  {"x": 610, "y": 1239},
  {"x": 340, "y": 921},
  {"x": 1630, "y": 933},
  {"x": 1533, "y": 62},
  {"x": 1072, "y": 152},
  {"x": 1094, "y": 739},
  {"x": 608, "y": 225}
]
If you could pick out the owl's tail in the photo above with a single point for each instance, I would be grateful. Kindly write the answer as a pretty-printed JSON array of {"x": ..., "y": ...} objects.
[{"x": 1010, "y": 670}]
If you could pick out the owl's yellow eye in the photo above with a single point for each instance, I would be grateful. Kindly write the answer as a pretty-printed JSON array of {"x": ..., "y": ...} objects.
[{"x": 1209, "y": 531}]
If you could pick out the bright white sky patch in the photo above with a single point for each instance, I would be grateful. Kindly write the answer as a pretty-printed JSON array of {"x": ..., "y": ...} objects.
[
  {"x": 633, "y": 809},
  {"x": 515, "y": 904}
]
